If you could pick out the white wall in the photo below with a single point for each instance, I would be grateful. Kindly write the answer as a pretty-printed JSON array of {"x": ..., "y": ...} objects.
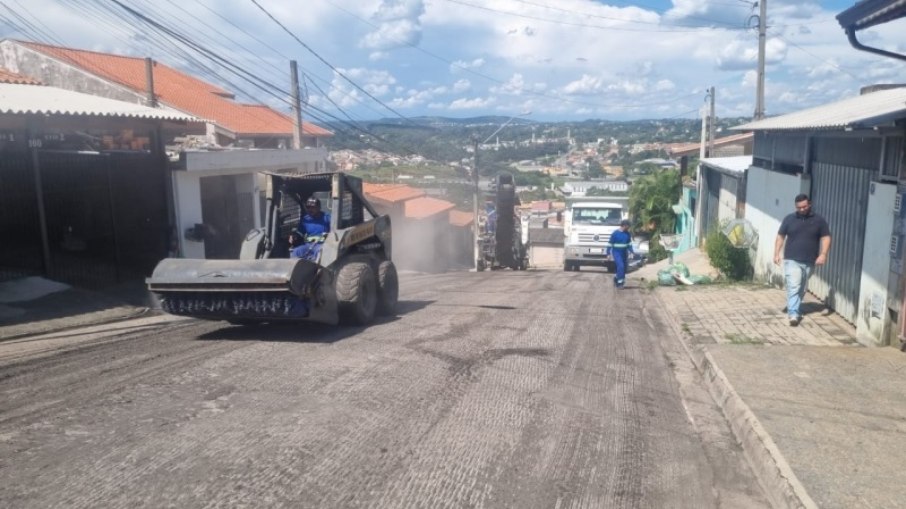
[
  {"x": 187, "y": 197},
  {"x": 873, "y": 314},
  {"x": 769, "y": 198}
]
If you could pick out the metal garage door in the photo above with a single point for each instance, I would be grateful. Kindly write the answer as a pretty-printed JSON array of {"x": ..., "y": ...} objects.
[
  {"x": 711, "y": 204},
  {"x": 840, "y": 195}
]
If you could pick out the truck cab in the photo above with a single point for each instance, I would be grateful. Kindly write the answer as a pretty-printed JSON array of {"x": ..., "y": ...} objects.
[{"x": 587, "y": 227}]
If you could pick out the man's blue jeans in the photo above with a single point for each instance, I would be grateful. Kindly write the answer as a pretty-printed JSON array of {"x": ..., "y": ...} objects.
[{"x": 795, "y": 276}]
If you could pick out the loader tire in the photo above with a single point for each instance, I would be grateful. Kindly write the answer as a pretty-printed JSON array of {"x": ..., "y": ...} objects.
[
  {"x": 388, "y": 286},
  {"x": 356, "y": 293}
]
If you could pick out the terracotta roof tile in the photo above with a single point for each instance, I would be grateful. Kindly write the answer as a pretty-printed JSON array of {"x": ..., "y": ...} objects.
[
  {"x": 541, "y": 206},
  {"x": 181, "y": 91},
  {"x": 16, "y": 79},
  {"x": 677, "y": 148},
  {"x": 460, "y": 218},
  {"x": 424, "y": 207},
  {"x": 392, "y": 193}
]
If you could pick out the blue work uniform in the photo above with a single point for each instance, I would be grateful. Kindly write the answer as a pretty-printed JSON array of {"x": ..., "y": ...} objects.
[
  {"x": 313, "y": 230},
  {"x": 620, "y": 248}
]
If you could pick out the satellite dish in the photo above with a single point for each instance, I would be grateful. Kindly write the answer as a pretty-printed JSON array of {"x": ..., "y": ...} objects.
[{"x": 740, "y": 233}]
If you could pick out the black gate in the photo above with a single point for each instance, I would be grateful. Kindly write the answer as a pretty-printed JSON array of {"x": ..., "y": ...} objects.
[
  {"x": 105, "y": 215},
  {"x": 20, "y": 226}
]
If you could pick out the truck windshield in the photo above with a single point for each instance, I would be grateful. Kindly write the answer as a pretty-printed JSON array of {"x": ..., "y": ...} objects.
[{"x": 607, "y": 217}]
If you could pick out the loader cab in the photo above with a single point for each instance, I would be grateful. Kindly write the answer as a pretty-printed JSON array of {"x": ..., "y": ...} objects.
[{"x": 286, "y": 194}]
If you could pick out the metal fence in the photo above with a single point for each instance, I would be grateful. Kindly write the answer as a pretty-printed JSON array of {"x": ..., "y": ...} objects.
[{"x": 105, "y": 215}]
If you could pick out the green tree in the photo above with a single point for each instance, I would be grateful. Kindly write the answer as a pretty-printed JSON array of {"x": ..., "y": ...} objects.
[{"x": 651, "y": 200}]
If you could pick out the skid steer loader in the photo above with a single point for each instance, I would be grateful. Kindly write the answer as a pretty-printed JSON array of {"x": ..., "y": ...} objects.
[{"x": 351, "y": 280}]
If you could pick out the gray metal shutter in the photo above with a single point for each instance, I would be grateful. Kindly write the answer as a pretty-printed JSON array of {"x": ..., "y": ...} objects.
[
  {"x": 711, "y": 206},
  {"x": 840, "y": 195}
]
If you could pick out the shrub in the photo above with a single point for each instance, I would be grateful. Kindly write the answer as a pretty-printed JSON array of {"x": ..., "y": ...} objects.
[{"x": 732, "y": 262}]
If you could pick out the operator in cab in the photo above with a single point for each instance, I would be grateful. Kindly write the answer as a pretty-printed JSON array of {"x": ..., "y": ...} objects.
[
  {"x": 620, "y": 248},
  {"x": 306, "y": 240}
]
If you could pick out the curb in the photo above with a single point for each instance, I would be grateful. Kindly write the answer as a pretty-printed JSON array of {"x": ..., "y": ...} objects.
[
  {"x": 138, "y": 312},
  {"x": 775, "y": 475}
]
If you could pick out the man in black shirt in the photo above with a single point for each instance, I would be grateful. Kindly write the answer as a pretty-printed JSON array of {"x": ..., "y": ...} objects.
[{"x": 807, "y": 238}]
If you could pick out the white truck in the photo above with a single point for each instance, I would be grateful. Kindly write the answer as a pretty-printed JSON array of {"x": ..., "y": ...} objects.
[{"x": 587, "y": 227}]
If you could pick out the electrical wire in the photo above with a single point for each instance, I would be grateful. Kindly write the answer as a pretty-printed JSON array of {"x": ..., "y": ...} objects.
[{"x": 582, "y": 25}]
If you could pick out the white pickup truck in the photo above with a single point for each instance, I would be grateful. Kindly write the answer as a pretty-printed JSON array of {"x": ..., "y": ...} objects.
[{"x": 587, "y": 227}]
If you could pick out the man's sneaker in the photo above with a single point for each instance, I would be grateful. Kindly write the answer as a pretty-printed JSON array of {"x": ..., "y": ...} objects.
[{"x": 794, "y": 321}]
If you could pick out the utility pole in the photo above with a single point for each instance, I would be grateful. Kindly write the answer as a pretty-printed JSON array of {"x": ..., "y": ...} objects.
[
  {"x": 712, "y": 119},
  {"x": 475, "y": 228},
  {"x": 705, "y": 150},
  {"x": 762, "y": 28},
  {"x": 297, "y": 105}
]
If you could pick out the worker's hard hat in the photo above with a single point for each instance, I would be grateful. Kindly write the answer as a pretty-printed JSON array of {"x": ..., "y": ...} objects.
[{"x": 313, "y": 202}]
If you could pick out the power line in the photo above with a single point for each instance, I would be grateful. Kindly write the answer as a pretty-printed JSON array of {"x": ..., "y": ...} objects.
[
  {"x": 503, "y": 83},
  {"x": 583, "y": 25},
  {"x": 589, "y": 15},
  {"x": 325, "y": 62}
]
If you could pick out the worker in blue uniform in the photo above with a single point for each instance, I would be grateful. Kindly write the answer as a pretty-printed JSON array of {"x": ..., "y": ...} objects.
[
  {"x": 620, "y": 248},
  {"x": 307, "y": 239}
]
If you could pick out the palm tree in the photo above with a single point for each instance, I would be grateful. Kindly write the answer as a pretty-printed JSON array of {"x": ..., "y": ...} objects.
[{"x": 651, "y": 201}]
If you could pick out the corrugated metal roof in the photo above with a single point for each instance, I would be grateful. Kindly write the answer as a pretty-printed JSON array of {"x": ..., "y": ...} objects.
[
  {"x": 34, "y": 99},
  {"x": 868, "y": 13},
  {"x": 863, "y": 111},
  {"x": 736, "y": 165}
]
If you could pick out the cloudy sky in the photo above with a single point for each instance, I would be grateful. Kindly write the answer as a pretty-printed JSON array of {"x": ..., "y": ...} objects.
[{"x": 558, "y": 59}]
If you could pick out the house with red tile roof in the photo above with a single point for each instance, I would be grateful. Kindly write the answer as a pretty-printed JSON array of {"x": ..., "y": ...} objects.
[
  {"x": 216, "y": 180},
  {"x": 428, "y": 233},
  {"x": 126, "y": 78}
]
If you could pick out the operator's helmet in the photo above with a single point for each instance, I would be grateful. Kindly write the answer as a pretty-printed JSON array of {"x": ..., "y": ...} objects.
[
  {"x": 313, "y": 202},
  {"x": 625, "y": 222}
]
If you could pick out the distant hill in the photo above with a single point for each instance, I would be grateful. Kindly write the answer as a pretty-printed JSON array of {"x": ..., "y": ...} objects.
[{"x": 447, "y": 139}]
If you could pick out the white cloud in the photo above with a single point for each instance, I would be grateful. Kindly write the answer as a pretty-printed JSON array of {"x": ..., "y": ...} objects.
[
  {"x": 462, "y": 86},
  {"x": 664, "y": 85},
  {"x": 584, "y": 85},
  {"x": 399, "y": 25},
  {"x": 460, "y": 65},
  {"x": 471, "y": 104},
  {"x": 376, "y": 83},
  {"x": 514, "y": 86}
]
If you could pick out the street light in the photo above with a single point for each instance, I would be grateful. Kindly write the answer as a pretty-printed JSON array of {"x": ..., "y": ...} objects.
[{"x": 475, "y": 190}]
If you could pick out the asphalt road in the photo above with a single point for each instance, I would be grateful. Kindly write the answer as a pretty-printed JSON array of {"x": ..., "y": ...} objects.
[{"x": 498, "y": 389}]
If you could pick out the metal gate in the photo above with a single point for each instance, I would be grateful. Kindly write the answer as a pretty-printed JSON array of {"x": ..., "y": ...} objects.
[
  {"x": 711, "y": 204},
  {"x": 105, "y": 216},
  {"x": 840, "y": 195},
  {"x": 20, "y": 226}
]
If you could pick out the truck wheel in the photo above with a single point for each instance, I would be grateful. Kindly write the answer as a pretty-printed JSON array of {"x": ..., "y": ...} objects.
[
  {"x": 356, "y": 293},
  {"x": 388, "y": 288}
]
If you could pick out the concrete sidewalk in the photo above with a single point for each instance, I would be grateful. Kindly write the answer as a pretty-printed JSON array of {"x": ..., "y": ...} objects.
[{"x": 822, "y": 420}]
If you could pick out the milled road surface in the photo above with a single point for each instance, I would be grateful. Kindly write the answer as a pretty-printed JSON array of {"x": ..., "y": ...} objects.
[{"x": 498, "y": 389}]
